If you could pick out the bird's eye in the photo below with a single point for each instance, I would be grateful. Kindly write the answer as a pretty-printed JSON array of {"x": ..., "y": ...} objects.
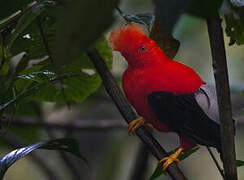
[{"x": 143, "y": 48}]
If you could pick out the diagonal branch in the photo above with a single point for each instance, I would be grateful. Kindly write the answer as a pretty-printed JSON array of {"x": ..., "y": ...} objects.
[
  {"x": 223, "y": 94},
  {"x": 128, "y": 114}
]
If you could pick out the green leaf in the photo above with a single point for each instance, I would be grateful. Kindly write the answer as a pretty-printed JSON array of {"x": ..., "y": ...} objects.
[
  {"x": 235, "y": 29},
  {"x": 28, "y": 17},
  {"x": 239, "y": 163},
  {"x": 64, "y": 144},
  {"x": 82, "y": 24},
  {"x": 30, "y": 41},
  {"x": 40, "y": 83},
  {"x": 158, "y": 171}
]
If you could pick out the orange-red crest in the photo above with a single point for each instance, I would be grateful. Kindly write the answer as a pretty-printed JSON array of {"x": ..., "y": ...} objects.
[{"x": 127, "y": 35}]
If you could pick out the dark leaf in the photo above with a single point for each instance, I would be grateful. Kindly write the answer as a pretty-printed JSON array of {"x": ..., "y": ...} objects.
[
  {"x": 78, "y": 81},
  {"x": 169, "y": 12},
  {"x": 30, "y": 40},
  {"x": 164, "y": 40},
  {"x": 75, "y": 88},
  {"x": 204, "y": 9},
  {"x": 64, "y": 144},
  {"x": 158, "y": 171},
  {"x": 11, "y": 6},
  {"x": 239, "y": 163},
  {"x": 28, "y": 17},
  {"x": 235, "y": 29},
  {"x": 82, "y": 24}
]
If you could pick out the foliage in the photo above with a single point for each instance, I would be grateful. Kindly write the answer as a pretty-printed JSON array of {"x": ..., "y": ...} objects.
[
  {"x": 35, "y": 35},
  {"x": 67, "y": 145}
]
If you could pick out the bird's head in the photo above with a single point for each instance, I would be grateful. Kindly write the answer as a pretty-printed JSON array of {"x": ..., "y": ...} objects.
[{"x": 132, "y": 42}]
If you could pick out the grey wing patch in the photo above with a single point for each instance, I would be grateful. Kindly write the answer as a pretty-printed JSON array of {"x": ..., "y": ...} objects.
[{"x": 207, "y": 99}]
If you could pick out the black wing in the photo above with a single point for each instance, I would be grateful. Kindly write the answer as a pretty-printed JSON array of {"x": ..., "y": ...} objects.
[{"x": 182, "y": 114}]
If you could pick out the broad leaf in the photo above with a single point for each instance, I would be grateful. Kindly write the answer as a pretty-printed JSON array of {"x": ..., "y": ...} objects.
[
  {"x": 158, "y": 171},
  {"x": 80, "y": 28},
  {"x": 64, "y": 144},
  {"x": 79, "y": 80}
]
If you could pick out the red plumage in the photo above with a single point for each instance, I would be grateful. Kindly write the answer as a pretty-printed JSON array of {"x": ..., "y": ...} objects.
[{"x": 150, "y": 70}]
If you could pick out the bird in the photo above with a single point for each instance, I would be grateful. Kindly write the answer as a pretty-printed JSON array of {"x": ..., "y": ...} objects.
[{"x": 167, "y": 95}]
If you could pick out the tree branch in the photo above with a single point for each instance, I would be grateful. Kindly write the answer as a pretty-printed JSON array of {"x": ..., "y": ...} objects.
[
  {"x": 78, "y": 125},
  {"x": 128, "y": 114},
  {"x": 223, "y": 93}
]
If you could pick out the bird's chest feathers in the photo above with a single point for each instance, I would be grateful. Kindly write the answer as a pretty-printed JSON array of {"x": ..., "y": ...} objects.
[{"x": 139, "y": 83}]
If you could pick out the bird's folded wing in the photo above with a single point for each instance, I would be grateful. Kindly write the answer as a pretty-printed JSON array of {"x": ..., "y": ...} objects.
[{"x": 185, "y": 115}]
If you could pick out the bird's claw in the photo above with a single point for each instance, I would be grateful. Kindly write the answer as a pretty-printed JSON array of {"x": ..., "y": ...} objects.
[
  {"x": 135, "y": 124},
  {"x": 169, "y": 160}
]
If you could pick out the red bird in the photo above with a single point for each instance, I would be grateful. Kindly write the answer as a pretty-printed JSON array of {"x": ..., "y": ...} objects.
[{"x": 166, "y": 94}]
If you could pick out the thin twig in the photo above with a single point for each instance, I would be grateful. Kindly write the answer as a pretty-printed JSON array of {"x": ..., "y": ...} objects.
[
  {"x": 228, "y": 154},
  {"x": 128, "y": 114},
  {"x": 216, "y": 162}
]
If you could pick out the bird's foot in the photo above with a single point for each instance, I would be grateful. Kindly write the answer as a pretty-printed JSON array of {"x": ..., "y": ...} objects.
[
  {"x": 133, "y": 125},
  {"x": 169, "y": 160}
]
